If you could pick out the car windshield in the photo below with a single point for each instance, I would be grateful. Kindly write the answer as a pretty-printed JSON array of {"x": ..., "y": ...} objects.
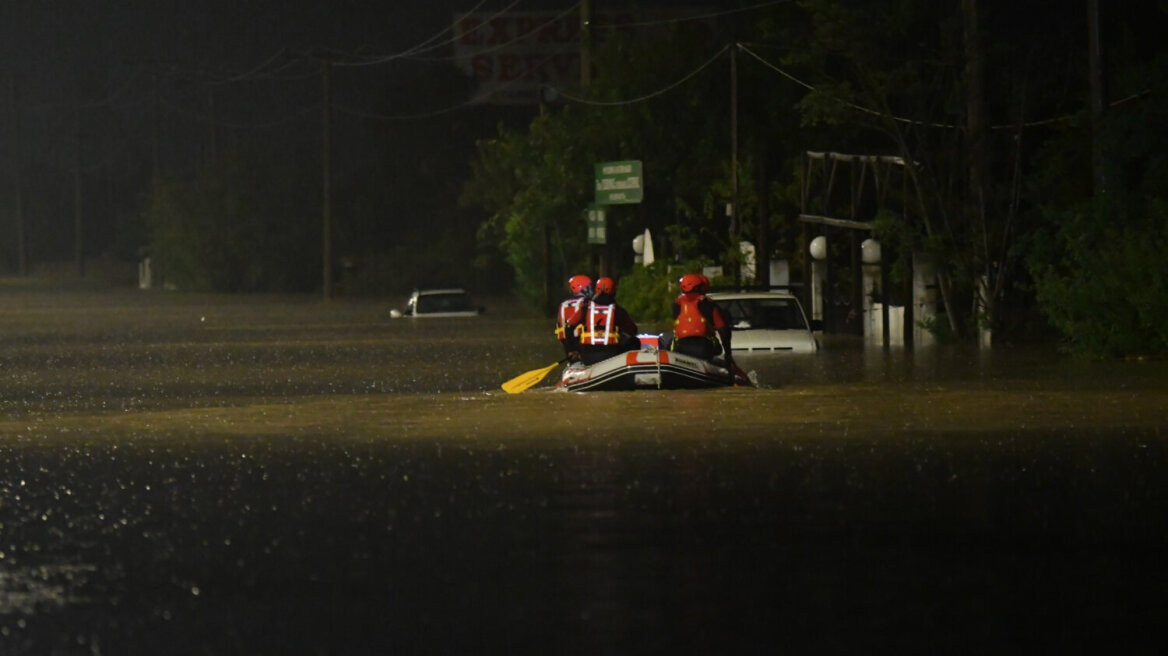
[
  {"x": 444, "y": 302},
  {"x": 763, "y": 313}
]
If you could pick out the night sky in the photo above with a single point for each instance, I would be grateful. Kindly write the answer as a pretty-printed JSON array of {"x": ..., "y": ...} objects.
[
  {"x": 115, "y": 87},
  {"x": 93, "y": 75},
  {"x": 104, "y": 54},
  {"x": 119, "y": 90}
]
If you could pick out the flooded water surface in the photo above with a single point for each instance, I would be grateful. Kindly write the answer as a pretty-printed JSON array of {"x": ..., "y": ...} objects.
[{"x": 190, "y": 474}]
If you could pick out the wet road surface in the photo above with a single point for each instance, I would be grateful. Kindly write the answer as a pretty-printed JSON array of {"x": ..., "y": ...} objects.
[{"x": 198, "y": 475}]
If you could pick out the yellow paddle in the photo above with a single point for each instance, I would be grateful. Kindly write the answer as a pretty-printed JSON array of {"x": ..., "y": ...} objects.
[{"x": 526, "y": 380}]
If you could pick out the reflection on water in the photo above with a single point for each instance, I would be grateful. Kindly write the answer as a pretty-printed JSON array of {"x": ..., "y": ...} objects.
[
  {"x": 49, "y": 586},
  {"x": 188, "y": 474}
]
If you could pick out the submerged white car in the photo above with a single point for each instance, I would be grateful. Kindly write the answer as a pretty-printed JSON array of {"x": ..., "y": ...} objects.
[
  {"x": 438, "y": 303},
  {"x": 766, "y": 321}
]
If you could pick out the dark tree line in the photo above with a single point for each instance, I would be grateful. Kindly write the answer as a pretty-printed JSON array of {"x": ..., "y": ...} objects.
[
  {"x": 1030, "y": 135},
  {"x": 1004, "y": 131}
]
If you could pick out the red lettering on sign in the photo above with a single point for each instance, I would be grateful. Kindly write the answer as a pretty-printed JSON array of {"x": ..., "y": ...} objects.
[{"x": 535, "y": 67}]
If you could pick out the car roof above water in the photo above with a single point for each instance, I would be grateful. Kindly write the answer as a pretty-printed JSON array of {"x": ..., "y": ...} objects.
[
  {"x": 437, "y": 292},
  {"x": 761, "y": 293}
]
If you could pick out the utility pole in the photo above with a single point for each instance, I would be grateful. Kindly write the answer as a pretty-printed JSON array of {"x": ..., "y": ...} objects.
[
  {"x": 18, "y": 192},
  {"x": 326, "y": 180},
  {"x": 78, "y": 247},
  {"x": 214, "y": 132},
  {"x": 585, "y": 43},
  {"x": 599, "y": 255},
  {"x": 158, "y": 255},
  {"x": 155, "y": 130},
  {"x": 1095, "y": 56},
  {"x": 734, "y": 225}
]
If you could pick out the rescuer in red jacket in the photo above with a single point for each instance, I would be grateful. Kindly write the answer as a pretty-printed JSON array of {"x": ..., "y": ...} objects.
[
  {"x": 698, "y": 323},
  {"x": 599, "y": 328},
  {"x": 580, "y": 286}
]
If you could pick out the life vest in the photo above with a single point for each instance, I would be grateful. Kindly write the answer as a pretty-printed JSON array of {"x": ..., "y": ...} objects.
[
  {"x": 566, "y": 309},
  {"x": 599, "y": 327},
  {"x": 691, "y": 321}
]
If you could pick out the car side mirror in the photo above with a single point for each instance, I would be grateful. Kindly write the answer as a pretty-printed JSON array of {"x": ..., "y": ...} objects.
[{"x": 816, "y": 325}]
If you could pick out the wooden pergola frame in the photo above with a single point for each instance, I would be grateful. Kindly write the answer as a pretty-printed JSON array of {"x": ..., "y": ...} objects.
[{"x": 860, "y": 167}]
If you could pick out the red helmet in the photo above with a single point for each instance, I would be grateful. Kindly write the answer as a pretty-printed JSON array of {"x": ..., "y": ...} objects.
[
  {"x": 579, "y": 285},
  {"x": 693, "y": 282},
  {"x": 605, "y": 286}
]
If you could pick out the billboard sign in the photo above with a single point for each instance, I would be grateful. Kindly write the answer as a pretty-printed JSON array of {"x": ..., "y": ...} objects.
[{"x": 515, "y": 57}]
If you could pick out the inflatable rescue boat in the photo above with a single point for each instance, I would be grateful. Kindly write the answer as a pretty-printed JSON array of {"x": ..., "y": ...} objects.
[{"x": 650, "y": 368}]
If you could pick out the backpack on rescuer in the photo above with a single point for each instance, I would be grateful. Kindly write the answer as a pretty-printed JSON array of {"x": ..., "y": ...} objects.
[
  {"x": 599, "y": 326},
  {"x": 695, "y": 312},
  {"x": 581, "y": 288},
  {"x": 693, "y": 317}
]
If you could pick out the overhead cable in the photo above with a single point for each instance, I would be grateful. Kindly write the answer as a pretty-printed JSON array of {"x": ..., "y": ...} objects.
[
  {"x": 473, "y": 100},
  {"x": 683, "y": 19},
  {"x": 504, "y": 44},
  {"x": 948, "y": 126},
  {"x": 860, "y": 108},
  {"x": 427, "y": 45},
  {"x": 115, "y": 94},
  {"x": 630, "y": 101},
  {"x": 254, "y": 72}
]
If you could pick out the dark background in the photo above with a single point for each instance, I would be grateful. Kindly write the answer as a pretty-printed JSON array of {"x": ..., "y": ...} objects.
[{"x": 108, "y": 96}]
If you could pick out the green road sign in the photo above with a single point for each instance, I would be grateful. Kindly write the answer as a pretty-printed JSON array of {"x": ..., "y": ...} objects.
[
  {"x": 618, "y": 183},
  {"x": 596, "y": 225}
]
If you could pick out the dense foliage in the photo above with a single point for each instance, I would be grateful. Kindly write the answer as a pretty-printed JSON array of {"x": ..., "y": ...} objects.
[
  {"x": 988, "y": 113},
  {"x": 1107, "y": 291},
  {"x": 647, "y": 292},
  {"x": 1038, "y": 196}
]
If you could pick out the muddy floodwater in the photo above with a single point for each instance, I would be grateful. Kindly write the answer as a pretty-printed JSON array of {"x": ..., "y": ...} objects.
[{"x": 187, "y": 474}]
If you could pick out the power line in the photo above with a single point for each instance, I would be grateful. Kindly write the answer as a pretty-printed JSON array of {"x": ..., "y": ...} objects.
[
  {"x": 654, "y": 94},
  {"x": 255, "y": 70},
  {"x": 859, "y": 108},
  {"x": 684, "y": 19},
  {"x": 268, "y": 70},
  {"x": 474, "y": 100},
  {"x": 947, "y": 126},
  {"x": 425, "y": 45},
  {"x": 113, "y": 95},
  {"x": 504, "y": 44}
]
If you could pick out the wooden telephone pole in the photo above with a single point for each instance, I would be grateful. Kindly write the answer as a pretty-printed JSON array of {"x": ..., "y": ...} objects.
[
  {"x": 326, "y": 181},
  {"x": 18, "y": 191}
]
